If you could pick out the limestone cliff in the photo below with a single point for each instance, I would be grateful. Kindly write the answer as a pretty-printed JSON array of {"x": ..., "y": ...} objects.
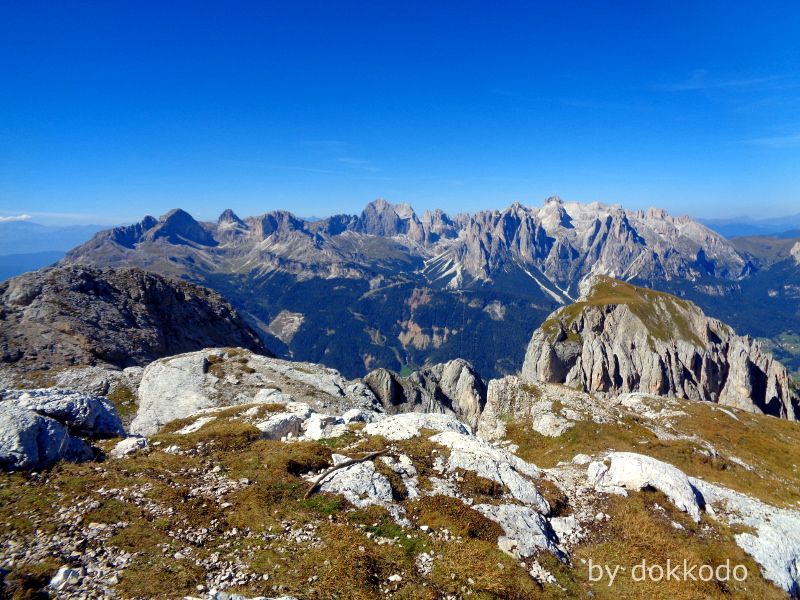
[{"x": 623, "y": 338}]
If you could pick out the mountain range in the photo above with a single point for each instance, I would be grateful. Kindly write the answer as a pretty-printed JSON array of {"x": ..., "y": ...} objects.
[{"x": 390, "y": 288}]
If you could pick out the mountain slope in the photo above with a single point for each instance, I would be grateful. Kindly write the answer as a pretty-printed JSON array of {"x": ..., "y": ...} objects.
[
  {"x": 87, "y": 316},
  {"x": 622, "y": 338}
]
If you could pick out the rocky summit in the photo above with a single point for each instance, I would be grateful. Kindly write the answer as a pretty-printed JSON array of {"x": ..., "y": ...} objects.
[
  {"x": 624, "y": 338},
  {"x": 81, "y": 316}
]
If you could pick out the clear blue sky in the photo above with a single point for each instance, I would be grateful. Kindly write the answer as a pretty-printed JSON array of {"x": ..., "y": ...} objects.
[{"x": 110, "y": 110}]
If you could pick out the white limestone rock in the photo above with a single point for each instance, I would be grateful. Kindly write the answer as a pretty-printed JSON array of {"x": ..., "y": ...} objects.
[
  {"x": 282, "y": 424},
  {"x": 630, "y": 471},
  {"x": 182, "y": 385},
  {"x": 171, "y": 389},
  {"x": 84, "y": 415},
  {"x": 318, "y": 427},
  {"x": 359, "y": 415},
  {"x": 128, "y": 447},
  {"x": 195, "y": 425},
  {"x": 361, "y": 485},
  {"x": 498, "y": 465},
  {"x": 775, "y": 545},
  {"x": 526, "y": 531},
  {"x": 408, "y": 425}
]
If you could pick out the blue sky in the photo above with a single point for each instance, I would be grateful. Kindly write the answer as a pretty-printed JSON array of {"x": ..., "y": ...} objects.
[{"x": 110, "y": 110}]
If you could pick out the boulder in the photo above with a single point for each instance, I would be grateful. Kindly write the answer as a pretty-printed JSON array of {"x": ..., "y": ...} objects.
[
  {"x": 282, "y": 424},
  {"x": 30, "y": 441},
  {"x": 84, "y": 415},
  {"x": 408, "y": 425},
  {"x": 630, "y": 471},
  {"x": 128, "y": 447}
]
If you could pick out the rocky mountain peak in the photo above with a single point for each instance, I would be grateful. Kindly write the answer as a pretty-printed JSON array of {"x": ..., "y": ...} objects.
[
  {"x": 229, "y": 217},
  {"x": 179, "y": 227},
  {"x": 278, "y": 221},
  {"x": 81, "y": 315},
  {"x": 625, "y": 338},
  {"x": 384, "y": 219}
]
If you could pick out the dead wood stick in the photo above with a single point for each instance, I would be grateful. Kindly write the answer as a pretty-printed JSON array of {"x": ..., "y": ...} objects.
[{"x": 341, "y": 465}]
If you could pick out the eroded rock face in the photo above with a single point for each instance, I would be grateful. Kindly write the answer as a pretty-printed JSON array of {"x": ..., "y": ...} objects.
[
  {"x": 80, "y": 315},
  {"x": 453, "y": 387},
  {"x": 623, "y": 338}
]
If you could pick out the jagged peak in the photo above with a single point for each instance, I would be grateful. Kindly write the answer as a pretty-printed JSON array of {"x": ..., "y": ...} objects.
[
  {"x": 148, "y": 221},
  {"x": 228, "y": 216},
  {"x": 381, "y": 205}
]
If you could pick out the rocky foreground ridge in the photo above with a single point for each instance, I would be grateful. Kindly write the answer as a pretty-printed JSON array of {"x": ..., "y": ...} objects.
[
  {"x": 623, "y": 338},
  {"x": 253, "y": 475},
  {"x": 82, "y": 315}
]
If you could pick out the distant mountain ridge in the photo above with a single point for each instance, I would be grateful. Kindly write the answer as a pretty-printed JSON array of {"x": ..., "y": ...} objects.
[
  {"x": 390, "y": 288},
  {"x": 556, "y": 245},
  {"x": 747, "y": 226}
]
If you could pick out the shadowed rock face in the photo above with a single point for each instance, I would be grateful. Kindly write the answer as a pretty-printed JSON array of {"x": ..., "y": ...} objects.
[
  {"x": 121, "y": 317},
  {"x": 452, "y": 387},
  {"x": 622, "y": 338}
]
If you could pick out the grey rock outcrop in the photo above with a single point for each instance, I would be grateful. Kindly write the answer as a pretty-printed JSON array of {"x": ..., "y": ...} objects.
[
  {"x": 41, "y": 427},
  {"x": 30, "y": 441},
  {"x": 452, "y": 387},
  {"x": 182, "y": 385},
  {"x": 66, "y": 316},
  {"x": 82, "y": 414},
  {"x": 623, "y": 338}
]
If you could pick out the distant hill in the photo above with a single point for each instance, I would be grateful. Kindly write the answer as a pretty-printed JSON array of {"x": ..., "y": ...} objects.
[
  {"x": 27, "y": 246},
  {"x": 746, "y": 226},
  {"x": 12, "y": 265}
]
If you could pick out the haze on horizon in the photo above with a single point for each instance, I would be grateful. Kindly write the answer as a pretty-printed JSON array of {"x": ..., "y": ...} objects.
[{"x": 113, "y": 111}]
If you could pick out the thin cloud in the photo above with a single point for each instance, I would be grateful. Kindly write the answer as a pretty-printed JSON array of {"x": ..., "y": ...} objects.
[
  {"x": 778, "y": 141},
  {"x": 357, "y": 163},
  {"x": 12, "y": 218},
  {"x": 700, "y": 81},
  {"x": 326, "y": 144}
]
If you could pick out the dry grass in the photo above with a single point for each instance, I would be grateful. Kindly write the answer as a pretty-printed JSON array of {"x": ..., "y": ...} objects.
[
  {"x": 640, "y": 531},
  {"x": 766, "y": 443},
  {"x": 344, "y": 555},
  {"x": 125, "y": 401},
  {"x": 443, "y": 512}
]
